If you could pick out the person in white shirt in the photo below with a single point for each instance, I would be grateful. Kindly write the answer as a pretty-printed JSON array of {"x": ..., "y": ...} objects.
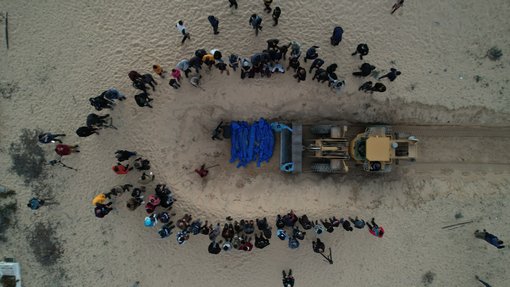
[{"x": 180, "y": 26}]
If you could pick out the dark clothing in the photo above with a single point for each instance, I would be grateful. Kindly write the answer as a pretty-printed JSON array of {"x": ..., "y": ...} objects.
[
  {"x": 392, "y": 75},
  {"x": 347, "y": 225},
  {"x": 123, "y": 155},
  {"x": 148, "y": 79},
  {"x": 256, "y": 22},
  {"x": 143, "y": 100},
  {"x": 311, "y": 53},
  {"x": 214, "y": 23},
  {"x": 214, "y": 248},
  {"x": 318, "y": 246},
  {"x": 317, "y": 63},
  {"x": 267, "y": 4},
  {"x": 366, "y": 70},
  {"x": 174, "y": 83},
  {"x": 85, "y": 131},
  {"x": 94, "y": 120},
  {"x": 336, "y": 38},
  {"x": 233, "y": 3},
  {"x": 366, "y": 87},
  {"x": 100, "y": 103},
  {"x": 276, "y": 15},
  {"x": 101, "y": 210},
  {"x": 362, "y": 49},
  {"x": 379, "y": 87},
  {"x": 34, "y": 203},
  {"x": 300, "y": 74},
  {"x": 49, "y": 137}
]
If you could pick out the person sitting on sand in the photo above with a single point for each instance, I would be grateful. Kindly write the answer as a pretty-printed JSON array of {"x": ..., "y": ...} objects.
[
  {"x": 379, "y": 87},
  {"x": 34, "y": 203},
  {"x": 246, "y": 244},
  {"x": 123, "y": 155},
  {"x": 63, "y": 149},
  {"x": 328, "y": 226},
  {"x": 143, "y": 100},
  {"x": 366, "y": 87},
  {"x": 86, "y": 131},
  {"x": 305, "y": 222},
  {"x": 101, "y": 210},
  {"x": 47, "y": 138},
  {"x": 300, "y": 74},
  {"x": 392, "y": 75},
  {"x": 362, "y": 50},
  {"x": 375, "y": 229},
  {"x": 282, "y": 234},
  {"x": 215, "y": 232},
  {"x": 318, "y": 228},
  {"x": 316, "y": 64},
  {"x": 142, "y": 164},
  {"x": 214, "y": 247},
  {"x": 146, "y": 178},
  {"x": 166, "y": 230},
  {"x": 358, "y": 223},
  {"x": 311, "y": 53},
  {"x": 490, "y": 238},
  {"x": 318, "y": 246},
  {"x": 158, "y": 70},
  {"x": 298, "y": 233},
  {"x": 366, "y": 70},
  {"x": 121, "y": 169},
  {"x": 288, "y": 280},
  {"x": 293, "y": 242},
  {"x": 182, "y": 237},
  {"x": 260, "y": 241},
  {"x": 346, "y": 225}
]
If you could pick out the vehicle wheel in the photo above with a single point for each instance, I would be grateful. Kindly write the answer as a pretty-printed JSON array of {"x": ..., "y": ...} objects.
[
  {"x": 320, "y": 167},
  {"x": 321, "y": 130}
]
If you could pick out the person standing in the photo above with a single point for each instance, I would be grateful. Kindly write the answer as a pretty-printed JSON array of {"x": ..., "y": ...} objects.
[
  {"x": 182, "y": 29},
  {"x": 276, "y": 15},
  {"x": 215, "y": 23},
  {"x": 233, "y": 3},
  {"x": 267, "y": 4},
  {"x": 336, "y": 38},
  {"x": 362, "y": 50},
  {"x": 255, "y": 22}
]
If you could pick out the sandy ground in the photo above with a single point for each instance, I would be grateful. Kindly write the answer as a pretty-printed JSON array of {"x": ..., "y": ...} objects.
[{"x": 63, "y": 52}]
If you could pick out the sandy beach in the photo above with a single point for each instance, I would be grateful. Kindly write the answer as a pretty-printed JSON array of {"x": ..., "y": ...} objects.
[{"x": 61, "y": 53}]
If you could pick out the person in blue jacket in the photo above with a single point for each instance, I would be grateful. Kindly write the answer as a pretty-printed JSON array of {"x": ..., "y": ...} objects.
[
  {"x": 215, "y": 23},
  {"x": 336, "y": 38}
]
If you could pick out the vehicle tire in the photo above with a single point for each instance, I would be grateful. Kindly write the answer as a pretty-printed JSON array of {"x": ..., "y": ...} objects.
[
  {"x": 321, "y": 167},
  {"x": 321, "y": 130}
]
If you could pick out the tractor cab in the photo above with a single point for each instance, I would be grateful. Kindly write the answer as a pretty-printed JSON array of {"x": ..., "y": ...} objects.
[{"x": 377, "y": 149}]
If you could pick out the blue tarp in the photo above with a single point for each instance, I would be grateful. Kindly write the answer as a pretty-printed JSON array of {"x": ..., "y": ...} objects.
[{"x": 251, "y": 143}]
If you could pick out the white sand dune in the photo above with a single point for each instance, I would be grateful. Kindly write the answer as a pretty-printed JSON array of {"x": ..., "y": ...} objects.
[{"x": 63, "y": 52}]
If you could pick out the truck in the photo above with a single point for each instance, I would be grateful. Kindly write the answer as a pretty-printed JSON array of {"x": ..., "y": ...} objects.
[{"x": 326, "y": 148}]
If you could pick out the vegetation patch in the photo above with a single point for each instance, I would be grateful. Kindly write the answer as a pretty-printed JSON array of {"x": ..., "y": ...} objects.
[
  {"x": 27, "y": 156},
  {"x": 45, "y": 245}
]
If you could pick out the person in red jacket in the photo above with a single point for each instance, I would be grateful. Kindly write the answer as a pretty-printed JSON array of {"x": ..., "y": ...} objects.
[
  {"x": 375, "y": 229},
  {"x": 121, "y": 169},
  {"x": 63, "y": 149}
]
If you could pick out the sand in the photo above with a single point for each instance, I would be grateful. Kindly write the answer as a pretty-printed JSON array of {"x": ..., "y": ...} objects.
[{"x": 61, "y": 53}]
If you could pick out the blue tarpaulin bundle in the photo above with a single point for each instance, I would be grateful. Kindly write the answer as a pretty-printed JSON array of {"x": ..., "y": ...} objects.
[{"x": 251, "y": 143}]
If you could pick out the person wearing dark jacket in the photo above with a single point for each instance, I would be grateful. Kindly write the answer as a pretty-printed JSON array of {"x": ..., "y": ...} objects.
[
  {"x": 215, "y": 23},
  {"x": 256, "y": 22},
  {"x": 86, "y": 131},
  {"x": 362, "y": 50},
  {"x": 336, "y": 38},
  {"x": 276, "y": 15},
  {"x": 366, "y": 70}
]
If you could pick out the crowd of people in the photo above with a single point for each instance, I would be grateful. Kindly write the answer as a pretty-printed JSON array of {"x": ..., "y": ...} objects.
[{"x": 244, "y": 234}]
